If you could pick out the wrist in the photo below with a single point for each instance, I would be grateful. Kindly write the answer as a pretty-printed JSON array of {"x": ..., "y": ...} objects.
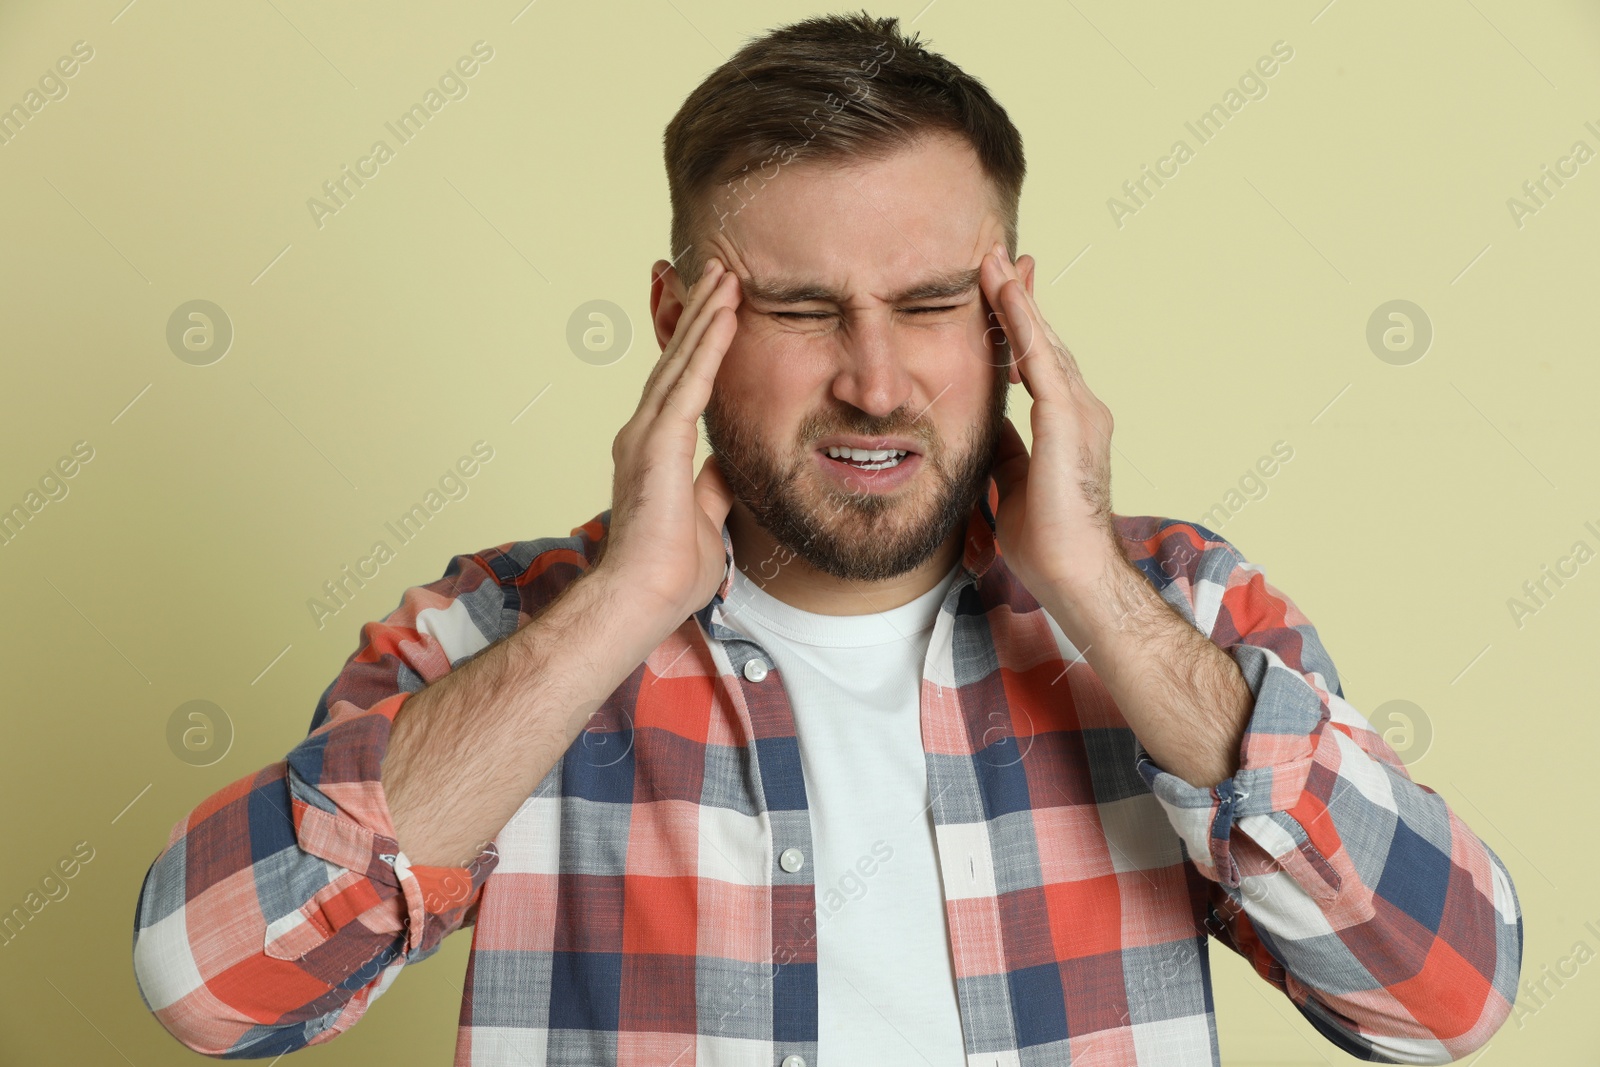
[
  {"x": 1097, "y": 602},
  {"x": 629, "y": 608}
]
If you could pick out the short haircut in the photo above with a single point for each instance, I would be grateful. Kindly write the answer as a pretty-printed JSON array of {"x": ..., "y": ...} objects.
[{"x": 833, "y": 88}]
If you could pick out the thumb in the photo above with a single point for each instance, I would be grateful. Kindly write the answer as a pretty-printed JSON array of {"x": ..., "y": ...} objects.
[
  {"x": 1011, "y": 461},
  {"x": 712, "y": 493}
]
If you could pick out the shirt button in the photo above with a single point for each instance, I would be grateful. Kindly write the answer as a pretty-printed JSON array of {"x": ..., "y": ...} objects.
[
  {"x": 791, "y": 860},
  {"x": 755, "y": 669},
  {"x": 794, "y": 1061}
]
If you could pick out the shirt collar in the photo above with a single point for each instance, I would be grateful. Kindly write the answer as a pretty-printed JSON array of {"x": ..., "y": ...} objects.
[{"x": 978, "y": 554}]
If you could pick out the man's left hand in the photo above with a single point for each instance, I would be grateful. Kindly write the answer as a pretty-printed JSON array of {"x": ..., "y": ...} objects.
[{"x": 1054, "y": 518}]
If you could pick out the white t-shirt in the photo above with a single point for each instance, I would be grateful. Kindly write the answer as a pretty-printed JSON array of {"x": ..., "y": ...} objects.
[{"x": 885, "y": 978}]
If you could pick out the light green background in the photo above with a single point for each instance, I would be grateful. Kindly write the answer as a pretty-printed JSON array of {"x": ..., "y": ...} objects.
[{"x": 1228, "y": 314}]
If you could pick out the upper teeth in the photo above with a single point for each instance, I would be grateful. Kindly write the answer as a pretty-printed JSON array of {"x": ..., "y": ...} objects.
[{"x": 863, "y": 454}]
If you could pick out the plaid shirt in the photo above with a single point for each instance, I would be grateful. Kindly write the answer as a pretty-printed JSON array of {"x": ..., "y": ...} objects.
[{"x": 639, "y": 908}]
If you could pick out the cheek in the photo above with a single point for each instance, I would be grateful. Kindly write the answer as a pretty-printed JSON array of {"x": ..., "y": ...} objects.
[
  {"x": 971, "y": 371},
  {"x": 763, "y": 361},
  {"x": 960, "y": 355},
  {"x": 743, "y": 362}
]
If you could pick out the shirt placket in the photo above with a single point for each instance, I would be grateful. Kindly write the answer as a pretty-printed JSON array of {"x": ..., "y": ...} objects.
[
  {"x": 780, "y": 800},
  {"x": 966, "y": 863}
]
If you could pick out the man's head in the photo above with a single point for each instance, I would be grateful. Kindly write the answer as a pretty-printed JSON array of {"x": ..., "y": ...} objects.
[{"x": 855, "y": 223}]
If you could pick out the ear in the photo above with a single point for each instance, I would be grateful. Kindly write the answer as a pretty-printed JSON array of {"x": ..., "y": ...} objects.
[
  {"x": 667, "y": 297},
  {"x": 1025, "y": 266}
]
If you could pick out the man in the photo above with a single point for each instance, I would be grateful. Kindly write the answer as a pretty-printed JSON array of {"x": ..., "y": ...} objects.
[{"x": 880, "y": 739}]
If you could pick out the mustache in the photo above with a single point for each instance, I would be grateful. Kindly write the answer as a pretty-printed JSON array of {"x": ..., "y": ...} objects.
[{"x": 817, "y": 427}]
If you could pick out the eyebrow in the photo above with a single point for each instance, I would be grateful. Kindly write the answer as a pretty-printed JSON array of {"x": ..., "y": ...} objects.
[{"x": 946, "y": 284}]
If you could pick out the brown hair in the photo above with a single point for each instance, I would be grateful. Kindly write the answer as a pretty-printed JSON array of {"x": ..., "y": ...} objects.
[{"x": 828, "y": 88}]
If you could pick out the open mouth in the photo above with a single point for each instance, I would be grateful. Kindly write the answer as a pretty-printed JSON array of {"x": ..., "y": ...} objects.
[{"x": 867, "y": 459}]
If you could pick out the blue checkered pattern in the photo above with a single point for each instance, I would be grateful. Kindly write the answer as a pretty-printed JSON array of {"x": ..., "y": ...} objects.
[{"x": 634, "y": 911}]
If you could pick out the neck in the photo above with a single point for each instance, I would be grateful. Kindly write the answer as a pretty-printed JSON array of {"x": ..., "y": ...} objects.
[{"x": 793, "y": 580}]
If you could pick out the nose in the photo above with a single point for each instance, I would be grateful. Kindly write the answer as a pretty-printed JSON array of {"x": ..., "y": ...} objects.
[{"x": 872, "y": 375}]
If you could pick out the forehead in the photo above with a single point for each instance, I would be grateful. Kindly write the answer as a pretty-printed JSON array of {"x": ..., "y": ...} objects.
[{"x": 863, "y": 227}]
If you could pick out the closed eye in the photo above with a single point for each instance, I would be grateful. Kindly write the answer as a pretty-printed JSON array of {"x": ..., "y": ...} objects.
[{"x": 829, "y": 314}]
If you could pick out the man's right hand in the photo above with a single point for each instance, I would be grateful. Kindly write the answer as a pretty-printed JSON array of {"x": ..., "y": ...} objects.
[
  {"x": 664, "y": 544},
  {"x": 468, "y": 749}
]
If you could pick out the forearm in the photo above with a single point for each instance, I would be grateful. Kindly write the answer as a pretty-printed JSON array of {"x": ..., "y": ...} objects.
[
  {"x": 226, "y": 974},
  {"x": 1335, "y": 864},
  {"x": 1373, "y": 874},
  {"x": 467, "y": 750},
  {"x": 1182, "y": 696}
]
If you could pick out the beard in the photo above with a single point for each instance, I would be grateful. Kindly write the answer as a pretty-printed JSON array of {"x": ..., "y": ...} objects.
[{"x": 858, "y": 536}]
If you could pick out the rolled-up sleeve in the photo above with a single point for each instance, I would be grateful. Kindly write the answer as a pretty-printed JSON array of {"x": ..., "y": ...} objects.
[
  {"x": 1351, "y": 887},
  {"x": 282, "y": 905}
]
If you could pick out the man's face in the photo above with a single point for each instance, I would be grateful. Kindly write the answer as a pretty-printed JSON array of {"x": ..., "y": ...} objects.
[{"x": 861, "y": 361}]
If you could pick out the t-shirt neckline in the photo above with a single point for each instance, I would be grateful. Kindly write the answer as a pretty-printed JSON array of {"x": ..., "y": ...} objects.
[{"x": 914, "y": 617}]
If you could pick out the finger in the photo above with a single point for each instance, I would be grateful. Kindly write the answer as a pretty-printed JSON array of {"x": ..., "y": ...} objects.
[
  {"x": 995, "y": 277},
  {"x": 689, "y": 394},
  {"x": 680, "y": 351},
  {"x": 1034, "y": 369},
  {"x": 996, "y": 345},
  {"x": 1062, "y": 354},
  {"x": 1018, "y": 306},
  {"x": 1036, "y": 362},
  {"x": 695, "y": 301},
  {"x": 995, "y": 270}
]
